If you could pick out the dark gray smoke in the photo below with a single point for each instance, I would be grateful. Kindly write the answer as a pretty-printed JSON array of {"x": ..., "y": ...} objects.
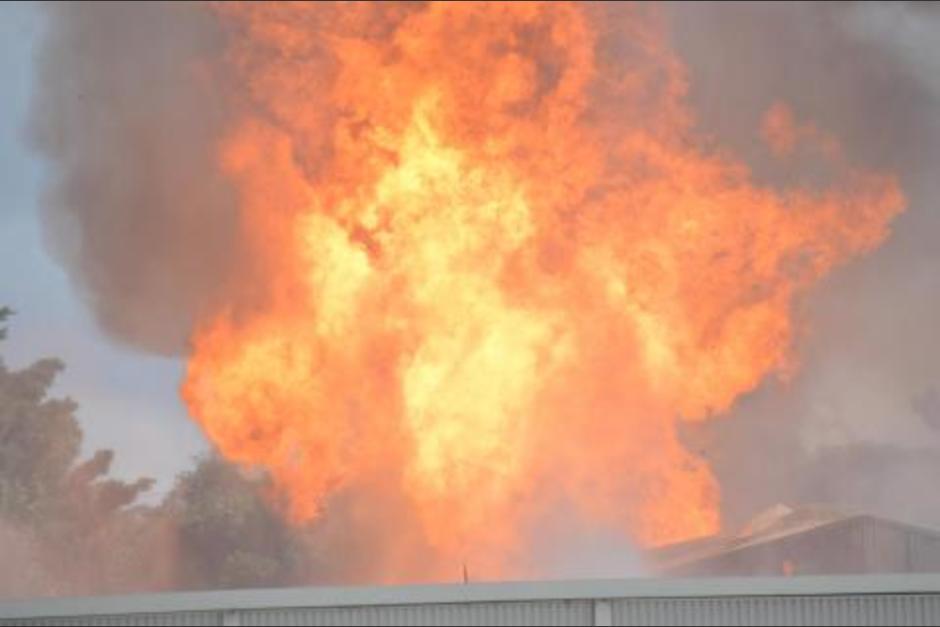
[
  {"x": 857, "y": 427},
  {"x": 127, "y": 114}
]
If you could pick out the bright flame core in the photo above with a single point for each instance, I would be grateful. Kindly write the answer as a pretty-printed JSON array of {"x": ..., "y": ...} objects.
[{"x": 497, "y": 265}]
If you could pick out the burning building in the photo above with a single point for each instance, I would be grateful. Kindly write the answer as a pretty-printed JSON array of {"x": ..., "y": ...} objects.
[{"x": 806, "y": 541}]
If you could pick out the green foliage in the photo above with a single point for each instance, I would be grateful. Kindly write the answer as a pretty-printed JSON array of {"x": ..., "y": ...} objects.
[
  {"x": 230, "y": 535},
  {"x": 39, "y": 441},
  {"x": 83, "y": 532},
  {"x": 51, "y": 501},
  {"x": 5, "y": 312}
]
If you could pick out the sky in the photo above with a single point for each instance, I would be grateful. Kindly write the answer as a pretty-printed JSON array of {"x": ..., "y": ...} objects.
[{"x": 127, "y": 400}]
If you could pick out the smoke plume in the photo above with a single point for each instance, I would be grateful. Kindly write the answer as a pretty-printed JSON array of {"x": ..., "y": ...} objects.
[
  {"x": 128, "y": 117},
  {"x": 857, "y": 427}
]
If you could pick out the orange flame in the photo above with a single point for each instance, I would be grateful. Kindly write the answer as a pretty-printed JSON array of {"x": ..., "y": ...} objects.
[{"x": 499, "y": 265}]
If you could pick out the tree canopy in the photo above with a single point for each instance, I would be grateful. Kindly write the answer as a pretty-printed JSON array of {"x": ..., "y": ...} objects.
[{"x": 73, "y": 528}]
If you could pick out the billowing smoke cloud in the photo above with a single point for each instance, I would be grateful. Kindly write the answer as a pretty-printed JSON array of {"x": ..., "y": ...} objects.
[
  {"x": 857, "y": 426},
  {"x": 129, "y": 116}
]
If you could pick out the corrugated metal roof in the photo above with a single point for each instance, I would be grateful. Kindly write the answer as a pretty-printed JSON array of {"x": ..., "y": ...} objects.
[
  {"x": 890, "y": 599},
  {"x": 781, "y": 610},
  {"x": 773, "y": 526}
]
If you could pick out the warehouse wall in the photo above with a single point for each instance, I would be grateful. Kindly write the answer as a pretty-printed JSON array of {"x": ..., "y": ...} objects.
[{"x": 794, "y": 601}]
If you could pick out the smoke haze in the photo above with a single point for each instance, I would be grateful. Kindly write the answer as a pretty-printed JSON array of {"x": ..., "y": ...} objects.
[
  {"x": 132, "y": 105},
  {"x": 857, "y": 427}
]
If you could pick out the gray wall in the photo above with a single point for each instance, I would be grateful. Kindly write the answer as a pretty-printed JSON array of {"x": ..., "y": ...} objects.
[{"x": 865, "y": 600}]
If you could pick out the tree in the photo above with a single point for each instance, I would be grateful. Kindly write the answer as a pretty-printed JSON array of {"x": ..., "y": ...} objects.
[
  {"x": 83, "y": 532},
  {"x": 230, "y": 535},
  {"x": 50, "y": 500},
  {"x": 5, "y": 312},
  {"x": 39, "y": 438}
]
